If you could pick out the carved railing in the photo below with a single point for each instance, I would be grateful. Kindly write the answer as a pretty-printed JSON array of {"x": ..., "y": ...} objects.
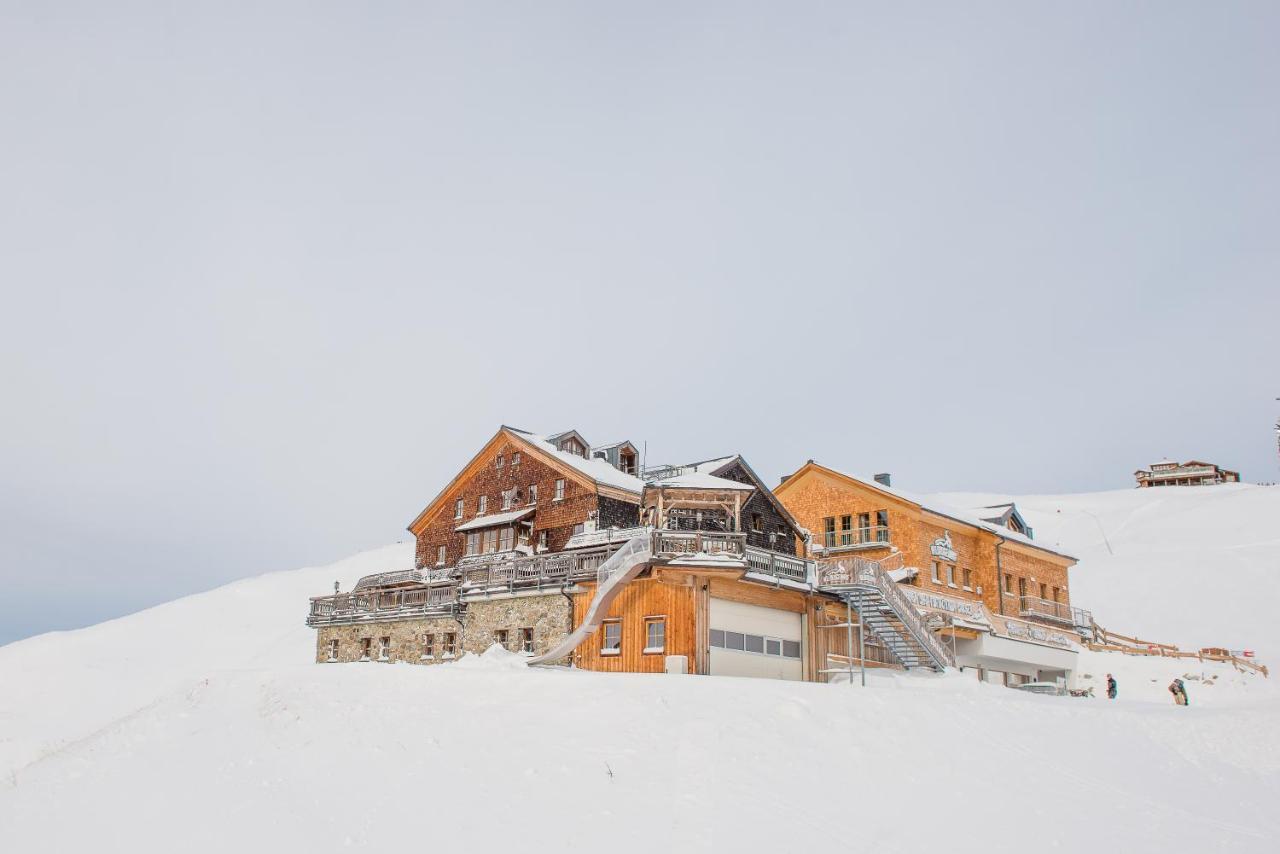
[
  {"x": 779, "y": 565},
  {"x": 535, "y": 571},
  {"x": 667, "y": 543},
  {"x": 403, "y": 576}
]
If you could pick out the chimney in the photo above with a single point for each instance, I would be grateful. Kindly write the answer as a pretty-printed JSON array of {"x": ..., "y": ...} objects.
[
  {"x": 785, "y": 478},
  {"x": 883, "y": 479}
]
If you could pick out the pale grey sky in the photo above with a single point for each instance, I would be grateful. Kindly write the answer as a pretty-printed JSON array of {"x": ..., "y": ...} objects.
[{"x": 272, "y": 272}]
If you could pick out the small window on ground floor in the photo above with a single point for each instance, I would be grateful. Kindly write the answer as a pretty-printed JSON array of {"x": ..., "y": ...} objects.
[
  {"x": 384, "y": 648},
  {"x": 449, "y": 645},
  {"x": 333, "y": 650},
  {"x": 611, "y": 638},
  {"x": 366, "y": 647},
  {"x": 655, "y": 635},
  {"x": 500, "y": 637},
  {"x": 429, "y": 646},
  {"x": 526, "y": 639}
]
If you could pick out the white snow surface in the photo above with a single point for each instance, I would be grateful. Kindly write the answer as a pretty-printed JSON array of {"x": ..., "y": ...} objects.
[{"x": 202, "y": 726}]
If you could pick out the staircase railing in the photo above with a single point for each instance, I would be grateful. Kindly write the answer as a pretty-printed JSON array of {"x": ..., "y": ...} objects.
[{"x": 859, "y": 572}]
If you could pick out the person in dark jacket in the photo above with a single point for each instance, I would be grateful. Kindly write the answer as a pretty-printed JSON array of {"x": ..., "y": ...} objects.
[{"x": 1112, "y": 688}]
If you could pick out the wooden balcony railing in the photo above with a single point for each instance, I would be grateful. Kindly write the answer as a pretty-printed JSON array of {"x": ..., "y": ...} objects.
[
  {"x": 676, "y": 543},
  {"x": 779, "y": 565}
]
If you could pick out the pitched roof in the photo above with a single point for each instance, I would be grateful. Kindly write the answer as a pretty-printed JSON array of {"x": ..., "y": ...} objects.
[
  {"x": 930, "y": 504},
  {"x": 595, "y": 468}
]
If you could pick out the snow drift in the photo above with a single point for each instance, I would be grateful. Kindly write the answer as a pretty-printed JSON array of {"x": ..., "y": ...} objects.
[{"x": 202, "y": 724}]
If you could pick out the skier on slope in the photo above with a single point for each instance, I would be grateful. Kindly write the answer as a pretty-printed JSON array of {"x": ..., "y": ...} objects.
[{"x": 1112, "y": 688}]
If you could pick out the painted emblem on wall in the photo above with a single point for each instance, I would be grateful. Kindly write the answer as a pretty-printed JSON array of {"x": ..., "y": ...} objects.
[{"x": 942, "y": 549}]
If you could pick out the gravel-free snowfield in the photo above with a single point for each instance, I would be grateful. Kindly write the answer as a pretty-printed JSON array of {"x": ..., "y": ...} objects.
[{"x": 201, "y": 725}]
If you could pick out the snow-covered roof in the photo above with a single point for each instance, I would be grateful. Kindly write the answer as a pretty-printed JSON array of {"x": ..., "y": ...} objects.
[
  {"x": 698, "y": 480},
  {"x": 489, "y": 521},
  {"x": 611, "y": 446},
  {"x": 595, "y": 468}
]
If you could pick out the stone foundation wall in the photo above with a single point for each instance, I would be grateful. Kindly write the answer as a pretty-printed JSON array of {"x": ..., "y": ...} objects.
[
  {"x": 549, "y": 615},
  {"x": 408, "y": 640}
]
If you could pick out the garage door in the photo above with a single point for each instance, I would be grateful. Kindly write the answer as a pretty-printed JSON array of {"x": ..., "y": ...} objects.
[{"x": 748, "y": 640}]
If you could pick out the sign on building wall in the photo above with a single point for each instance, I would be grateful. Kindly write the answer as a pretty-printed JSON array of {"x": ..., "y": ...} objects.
[
  {"x": 942, "y": 548},
  {"x": 963, "y": 607},
  {"x": 1027, "y": 632}
]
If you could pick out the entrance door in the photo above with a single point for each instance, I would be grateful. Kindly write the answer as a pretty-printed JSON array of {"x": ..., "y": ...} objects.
[{"x": 750, "y": 640}]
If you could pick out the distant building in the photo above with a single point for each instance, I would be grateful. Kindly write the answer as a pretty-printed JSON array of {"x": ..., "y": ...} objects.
[{"x": 1190, "y": 473}]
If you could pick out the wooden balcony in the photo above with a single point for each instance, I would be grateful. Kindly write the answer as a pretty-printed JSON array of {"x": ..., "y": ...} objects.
[{"x": 853, "y": 539}]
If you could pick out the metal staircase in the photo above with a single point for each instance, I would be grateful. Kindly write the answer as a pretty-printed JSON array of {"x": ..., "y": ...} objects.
[{"x": 869, "y": 591}]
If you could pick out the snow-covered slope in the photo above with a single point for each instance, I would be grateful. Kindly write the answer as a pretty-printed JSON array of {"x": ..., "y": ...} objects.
[
  {"x": 1193, "y": 566},
  {"x": 202, "y": 725}
]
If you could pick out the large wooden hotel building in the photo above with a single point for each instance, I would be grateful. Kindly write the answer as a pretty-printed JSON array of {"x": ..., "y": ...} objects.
[{"x": 571, "y": 553}]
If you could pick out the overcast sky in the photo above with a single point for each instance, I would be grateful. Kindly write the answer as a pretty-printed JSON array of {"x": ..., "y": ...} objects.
[{"x": 273, "y": 272}]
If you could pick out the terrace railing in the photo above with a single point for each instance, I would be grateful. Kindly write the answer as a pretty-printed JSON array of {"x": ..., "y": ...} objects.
[
  {"x": 668, "y": 543},
  {"x": 779, "y": 565},
  {"x": 1045, "y": 609},
  {"x": 382, "y": 605}
]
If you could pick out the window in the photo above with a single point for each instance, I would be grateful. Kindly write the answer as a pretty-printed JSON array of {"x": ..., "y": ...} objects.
[
  {"x": 500, "y": 637},
  {"x": 559, "y": 489},
  {"x": 473, "y": 542},
  {"x": 1055, "y": 594},
  {"x": 333, "y": 650},
  {"x": 1044, "y": 590},
  {"x": 429, "y": 646},
  {"x": 757, "y": 523},
  {"x": 951, "y": 575},
  {"x": 526, "y": 639},
  {"x": 829, "y": 531},
  {"x": 500, "y": 461},
  {"x": 758, "y": 644},
  {"x": 611, "y": 643},
  {"x": 655, "y": 635},
  {"x": 509, "y": 497},
  {"x": 483, "y": 506},
  {"x": 533, "y": 493},
  {"x": 515, "y": 458},
  {"x": 458, "y": 507},
  {"x": 490, "y": 541},
  {"x": 449, "y": 645},
  {"x": 440, "y": 555},
  {"x": 542, "y": 541},
  {"x": 846, "y": 530},
  {"x": 968, "y": 579},
  {"x": 937, "y": 577},
  {"x": 384, "y": 648},
  {"x": 366, "y": 645},
  {"x": 579, "y": 528},
  {"x": 506, "y": 539},
  {"x": 1008, "y": 583},
  {"x": 864, "y": 527},
  {"x": 882, "y": 526}
]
